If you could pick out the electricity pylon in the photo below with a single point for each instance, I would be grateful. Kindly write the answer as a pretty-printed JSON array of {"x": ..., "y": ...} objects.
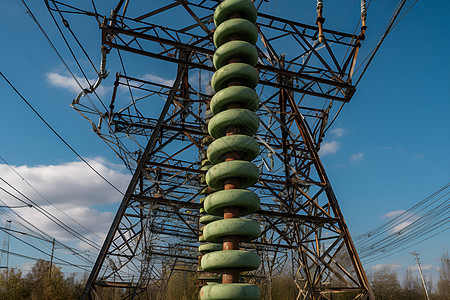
[
  {"x": 160, "y": 134},
  {"x": 5, "y": 247}
]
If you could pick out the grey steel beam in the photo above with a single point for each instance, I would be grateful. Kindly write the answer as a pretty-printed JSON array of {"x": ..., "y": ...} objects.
[{"x": 131, "y": 187}]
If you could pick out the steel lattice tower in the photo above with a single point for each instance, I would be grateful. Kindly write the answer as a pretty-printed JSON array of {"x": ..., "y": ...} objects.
[{"x": 160, "y": 135}]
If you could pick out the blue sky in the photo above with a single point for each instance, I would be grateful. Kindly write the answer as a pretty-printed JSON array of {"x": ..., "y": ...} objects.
[{"x": 387, "y": 150}]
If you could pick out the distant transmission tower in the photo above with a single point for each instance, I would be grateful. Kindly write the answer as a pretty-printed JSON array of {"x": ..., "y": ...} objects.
[
  {"x": 159, "y": 128},
  {"x": 5, "y": 247}
]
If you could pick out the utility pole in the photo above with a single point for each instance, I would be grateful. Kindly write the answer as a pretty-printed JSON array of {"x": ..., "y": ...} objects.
[
  {"x": 416, "y": 256},
  {"x": 51, "y": 260}
]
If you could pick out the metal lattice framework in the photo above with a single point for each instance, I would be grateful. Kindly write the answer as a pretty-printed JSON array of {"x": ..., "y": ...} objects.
[{"x": 158, "y": 131}]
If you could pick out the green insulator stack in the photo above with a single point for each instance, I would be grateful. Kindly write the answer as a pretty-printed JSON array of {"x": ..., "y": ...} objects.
[
  {"x": 233, "y": 125},
  {"x": 206, "y": 247}
]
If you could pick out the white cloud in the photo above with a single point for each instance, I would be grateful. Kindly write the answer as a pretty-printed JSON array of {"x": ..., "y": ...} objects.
[
  {"x": 97, "y": 223},
  {"x": 405, "y": 221},
  {"x": 158, "y": 79},
  {"x": 400, "y": 226},
  {"x": 70, "y": 84},
  {"x": 393, "y": 214},
  {"x": 357, "y": 157},
  {"x": 62, "y": 81},
  {"x": 338, "y": 131},
  {"x": 75, "y": 189},
  {"x": 426, "y": 267},
  {"x": 205, "y": 82},
  {"x": 72, "y": 183},
  {"x": 329, "y": 148},
  {"x": 390, "y": 266}
]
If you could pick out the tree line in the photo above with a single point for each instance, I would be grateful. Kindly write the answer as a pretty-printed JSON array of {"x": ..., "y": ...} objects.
[
  {"x": 386, "y": 284},
  {"x": 48, "y": 282},
  {"x": 44, "y": 281}
]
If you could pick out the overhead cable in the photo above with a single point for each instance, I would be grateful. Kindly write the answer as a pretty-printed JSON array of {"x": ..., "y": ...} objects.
[
  {"x": 421, "y": 222},
  {"x": 45, "y": 198},
  {"x": 57, "y": 134}
]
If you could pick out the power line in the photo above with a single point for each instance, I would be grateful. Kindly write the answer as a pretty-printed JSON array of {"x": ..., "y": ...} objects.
[
  {"x": 391, "y": 25},
  {"x": 368, "y": 236},
  {"x": 39, "y": 231},
  {"x": 388, "y": 30},
  {"x": 25, "y": 233},
  {"x": 421, "y": 222},
  {"x": 42, "y": 251},
  {"x": 64, "y": 262},
  {"x": 35, "y": 258},
  {"x": 57, "y": 134},
  {"x": 15, "y": 197},
  {"x": 43, "y": 197},
  {"x": 66, "y": 24},
  {"x": 51, "y": 43},
  {"x": 50, "y": 216},
  {"x": 75, "y": 11}
]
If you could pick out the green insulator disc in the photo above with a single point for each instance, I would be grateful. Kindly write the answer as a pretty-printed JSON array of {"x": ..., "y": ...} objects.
[
  {"x": 230, "y": 291},
  {"x": 247, "y": 201},
  {"x": 245, "y": 74},
  {"x": 246, "y": 146},
  {"x": 209, "y": 218},
  {"x": 236, "y": 259},
  {"x": 246, "y": 172},
  {"x": 210, "y": 247},
  {"x": 244, "y": 119},
  {"x": 202, "y": 211},
  {"x": 246, "y": 31},
  {"x": 246, "y": 229},
  {"x": 241, "y": 50},
  {"x": 201, "y": 238},
  {"x": 227, "y": 8},
  {"x": 244, "y": 96}
]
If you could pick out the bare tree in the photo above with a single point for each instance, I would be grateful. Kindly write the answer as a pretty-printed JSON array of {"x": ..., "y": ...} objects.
[
  {"x": 411, "y": 286},
  {"x": 385, "y": 284},
  {"x": 444, "y": 277}
]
